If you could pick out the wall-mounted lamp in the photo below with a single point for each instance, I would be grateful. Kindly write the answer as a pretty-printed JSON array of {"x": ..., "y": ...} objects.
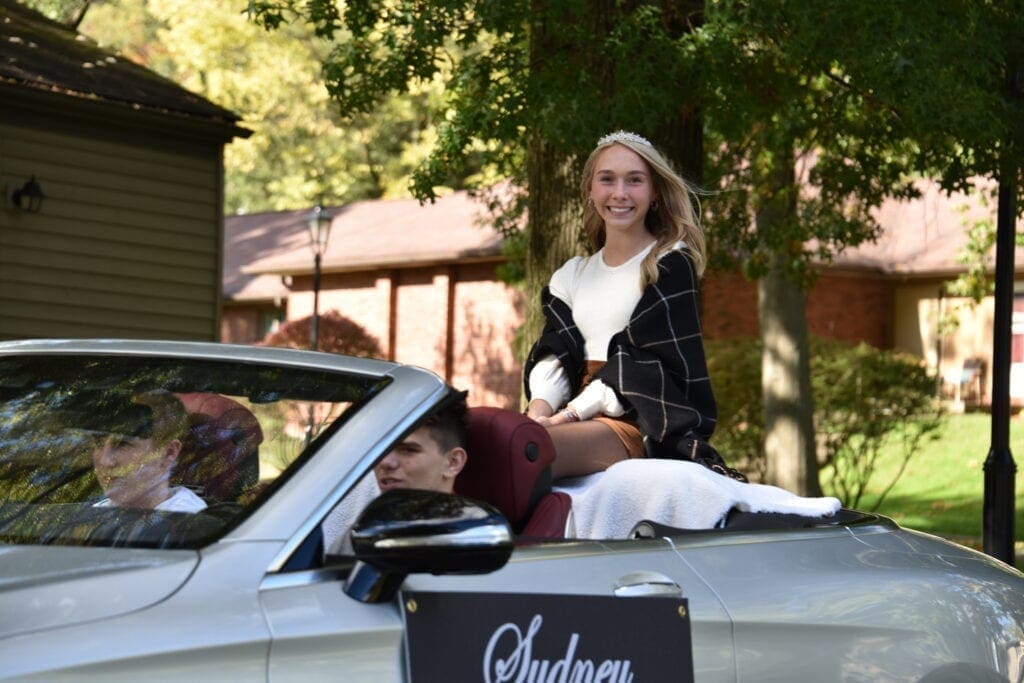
[{"x": 29, "y": 197}]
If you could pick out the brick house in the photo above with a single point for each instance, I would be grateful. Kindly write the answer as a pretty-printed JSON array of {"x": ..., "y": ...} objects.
[
  {"x": 422, "y": 280},
  {"x": 891, "y": 295},
  {"x": 127, "y": 240}
]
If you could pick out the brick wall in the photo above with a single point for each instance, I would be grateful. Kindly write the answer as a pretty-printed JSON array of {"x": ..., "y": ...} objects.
[
  {"x": 851, "y": 308},
  {"x": 484, "y": 317},
  {"x": 239, "y": 324},
  {"x": 247, "y": 322},
  {"x": 362, "y": 297},
  {"x": 486, "y": 314},
  {"x": 728, "y": 306}
]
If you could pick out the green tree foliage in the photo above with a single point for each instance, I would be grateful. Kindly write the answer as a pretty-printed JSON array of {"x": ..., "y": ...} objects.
[
  {"x": 302, "y": 148},
  {"x": 529, "y": 88},
  {"x": 866, "y": 399},
  {"x": 501, "y": 86},
  {"x": 977, "y": 257},
  {"x": 815, "y": 113},
  {"x": 68, "y": 12}
]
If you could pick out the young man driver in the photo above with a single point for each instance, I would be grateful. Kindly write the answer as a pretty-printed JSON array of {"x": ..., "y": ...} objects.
[
  {"x": 432, "y": 456},
  {"x": 429, "y": 458},
  {"x": 136, "y": 451}
]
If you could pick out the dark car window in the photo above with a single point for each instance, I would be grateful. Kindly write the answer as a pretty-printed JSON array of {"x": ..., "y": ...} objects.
[{"x": 147, "y": 452}]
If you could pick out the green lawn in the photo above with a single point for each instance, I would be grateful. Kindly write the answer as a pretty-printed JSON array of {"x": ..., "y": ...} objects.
[{"x": 942, "y": 489}]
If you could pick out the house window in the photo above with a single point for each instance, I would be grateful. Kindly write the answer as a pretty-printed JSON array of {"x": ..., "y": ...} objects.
[
  {"x": 1017, "y": 329},
  {"x": 270, "y": 319}
]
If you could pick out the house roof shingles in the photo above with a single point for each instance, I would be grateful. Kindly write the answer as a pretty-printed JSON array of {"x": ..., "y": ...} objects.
[
  {"x": 922, "y": 237},
  {"x": 46, "y": 56},
  {"x": 365, "y": 235}
]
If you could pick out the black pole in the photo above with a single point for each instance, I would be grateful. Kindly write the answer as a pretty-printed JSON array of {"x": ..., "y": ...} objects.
[
  {"x": 998, "y": 511},
  {"x": 314, "y": 325}
]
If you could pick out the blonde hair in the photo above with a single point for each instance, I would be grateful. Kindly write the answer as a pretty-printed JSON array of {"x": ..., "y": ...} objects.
[{"x": 676, "y": 218}]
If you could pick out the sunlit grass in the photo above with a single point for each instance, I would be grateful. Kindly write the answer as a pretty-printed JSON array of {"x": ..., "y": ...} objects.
[{"x": 942, "y": 490}]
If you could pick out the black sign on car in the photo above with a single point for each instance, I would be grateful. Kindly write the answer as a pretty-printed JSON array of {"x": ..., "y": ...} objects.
[{"x": 541, "y": 638}]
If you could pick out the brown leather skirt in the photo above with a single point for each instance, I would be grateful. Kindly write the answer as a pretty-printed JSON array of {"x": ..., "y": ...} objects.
[{"x": 627, "y": 431}]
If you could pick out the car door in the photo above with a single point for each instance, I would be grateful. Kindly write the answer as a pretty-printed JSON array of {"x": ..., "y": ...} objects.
[{"x": 319, "y": 631}]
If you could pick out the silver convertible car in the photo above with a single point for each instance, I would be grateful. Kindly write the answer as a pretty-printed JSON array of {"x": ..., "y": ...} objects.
[{"x": 264, "y": 559}]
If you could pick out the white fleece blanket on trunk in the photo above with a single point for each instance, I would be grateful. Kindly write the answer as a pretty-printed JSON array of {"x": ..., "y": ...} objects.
[{"x": 678, "y": 493}]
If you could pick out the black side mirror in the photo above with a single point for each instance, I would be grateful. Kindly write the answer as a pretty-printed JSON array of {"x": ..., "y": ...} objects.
[{"x": 407, "y": 531}]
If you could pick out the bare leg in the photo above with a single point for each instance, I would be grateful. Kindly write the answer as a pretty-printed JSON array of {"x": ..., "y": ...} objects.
[{"x": 583, "y": 448}]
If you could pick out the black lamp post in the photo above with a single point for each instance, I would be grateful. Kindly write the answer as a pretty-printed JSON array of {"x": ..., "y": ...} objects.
[
  {"x": 1000, "y": 469},
  {"x": 997, "y": 509},
  {"x": 319, "y": 220}
]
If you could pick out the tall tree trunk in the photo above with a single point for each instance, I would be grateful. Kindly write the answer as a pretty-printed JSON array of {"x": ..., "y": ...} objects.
[
  {"x": 552, "y": 175},
  {"x": 553, "y": 227},
  {"x": 785, "y": 361},
  {"x": 682, "y": 137}
]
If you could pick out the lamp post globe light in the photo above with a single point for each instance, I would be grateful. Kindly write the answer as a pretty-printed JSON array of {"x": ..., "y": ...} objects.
[{"x": 319, "y": 222}]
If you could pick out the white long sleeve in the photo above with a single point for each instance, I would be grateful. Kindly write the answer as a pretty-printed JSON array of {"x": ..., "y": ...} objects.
[
  {"x": 597, "y": 398},
  {"x": 548, "y": 381}
]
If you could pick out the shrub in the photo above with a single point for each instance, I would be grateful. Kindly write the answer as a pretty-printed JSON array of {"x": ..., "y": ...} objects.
[
  {"x": 335, "y": 332},
  {"x": 735, "y": 369},
  {"x": 863, "y": 397}
]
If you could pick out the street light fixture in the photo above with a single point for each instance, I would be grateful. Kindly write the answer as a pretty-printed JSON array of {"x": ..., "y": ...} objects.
[{"x": 319, "y": 220}]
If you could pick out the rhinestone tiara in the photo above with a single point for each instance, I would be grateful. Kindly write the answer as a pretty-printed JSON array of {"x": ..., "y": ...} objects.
[{"x": 624, "y": 136}]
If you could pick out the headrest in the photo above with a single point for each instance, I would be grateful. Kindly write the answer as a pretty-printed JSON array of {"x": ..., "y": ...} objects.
[
  {"x": 220, "y": 454},
  {"x": 508, "y": 464}
]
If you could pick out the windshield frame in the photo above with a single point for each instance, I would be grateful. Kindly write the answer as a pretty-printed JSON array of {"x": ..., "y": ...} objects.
[{"x": 373, "y": 376}]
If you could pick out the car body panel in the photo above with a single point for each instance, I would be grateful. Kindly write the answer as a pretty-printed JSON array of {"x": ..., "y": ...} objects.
[
  {"x": 851, "y": 602},
  {"x": 319, "y": 632},
  {"x": 314, "y": 638},
  {"x": 826, "y": 606},
  {"x": 49, "y": 587},
  {"x": 212, "y": 628},
  {"x": 595, "y": 568}
]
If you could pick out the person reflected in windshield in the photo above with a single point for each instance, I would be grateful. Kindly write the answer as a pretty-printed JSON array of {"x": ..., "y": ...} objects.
[{"x": 137, "y": 452}]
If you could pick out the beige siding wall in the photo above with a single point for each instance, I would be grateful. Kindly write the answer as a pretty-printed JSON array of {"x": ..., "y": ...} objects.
[
  {"x": 126, "y": 245},
  {"x": 918, "y": 309}
]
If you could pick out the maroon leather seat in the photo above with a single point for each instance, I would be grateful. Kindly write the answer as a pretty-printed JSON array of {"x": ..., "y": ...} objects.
[
  {"x": 220, "y": 454},
  {"x": 509, "y": 466}
]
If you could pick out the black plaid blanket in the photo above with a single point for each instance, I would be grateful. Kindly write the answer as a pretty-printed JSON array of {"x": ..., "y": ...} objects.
[{"x": 655, "y": 365}]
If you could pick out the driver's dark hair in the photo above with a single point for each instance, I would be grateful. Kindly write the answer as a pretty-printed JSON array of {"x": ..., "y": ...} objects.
[
  {"x": 169, "y": 418},
  {"x": 449, "y": 425}
]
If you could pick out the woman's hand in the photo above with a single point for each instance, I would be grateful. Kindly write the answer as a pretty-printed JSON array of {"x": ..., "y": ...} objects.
[
  {"x": 545, "y": 417},
  {"x": 539, "y": 409}
]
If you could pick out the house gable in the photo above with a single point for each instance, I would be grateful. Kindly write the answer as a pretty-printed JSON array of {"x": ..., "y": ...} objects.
[{"x": 128, "y": 240}]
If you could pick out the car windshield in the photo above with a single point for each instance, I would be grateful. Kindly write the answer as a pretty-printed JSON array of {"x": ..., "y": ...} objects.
[{"x": 154, "y": 452}]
